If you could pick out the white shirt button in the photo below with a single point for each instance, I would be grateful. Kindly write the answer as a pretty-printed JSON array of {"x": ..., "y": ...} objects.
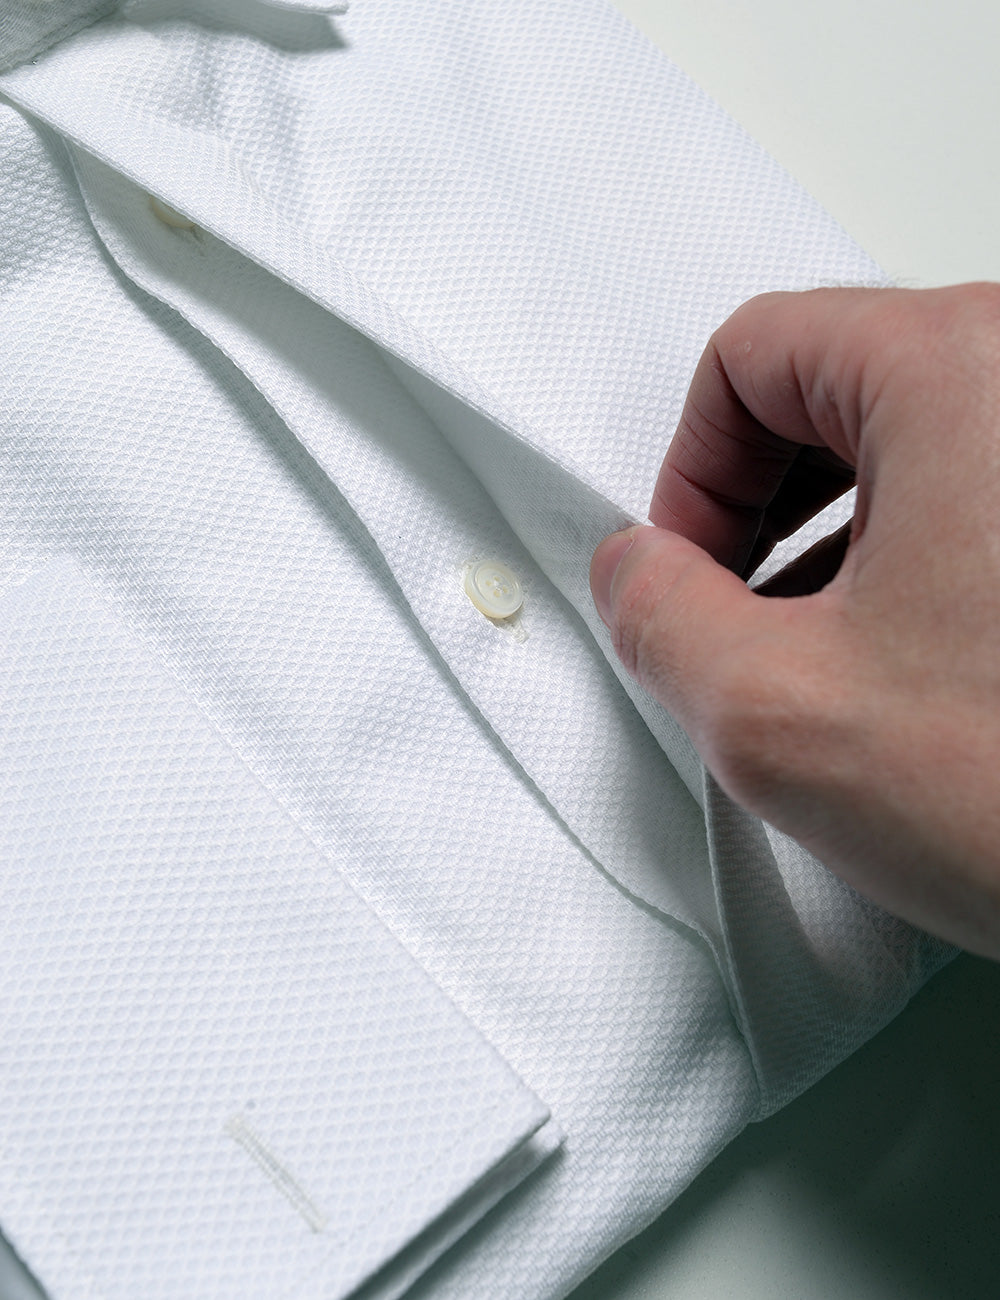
[
  {"x": 493, "y": 589},
  {"x": 170, "y": 216}
]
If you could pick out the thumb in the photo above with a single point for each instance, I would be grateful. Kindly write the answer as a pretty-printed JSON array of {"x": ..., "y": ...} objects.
[{"x": 693, "y": 634}]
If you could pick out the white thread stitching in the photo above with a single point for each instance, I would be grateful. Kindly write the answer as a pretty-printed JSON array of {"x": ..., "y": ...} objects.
[{"x": 279, "y": 1174}]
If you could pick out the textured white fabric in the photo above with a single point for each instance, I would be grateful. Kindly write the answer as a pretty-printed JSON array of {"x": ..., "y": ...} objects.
[
  {"x": 229, "y": 1063},
  {"x": 625, "y": 801},
  {"x": 451, "y": 271},
  {"x": 27, "y": 27}
]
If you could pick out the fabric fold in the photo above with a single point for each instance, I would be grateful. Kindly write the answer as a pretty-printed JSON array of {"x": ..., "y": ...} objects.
[
  {"x": 629, "y": 810},
  {"x": 433, "y": 293},
  {"x": 754, "y": 880},
  {"x": 216, "y": 178},
  {"x": 135, "y": 445}
]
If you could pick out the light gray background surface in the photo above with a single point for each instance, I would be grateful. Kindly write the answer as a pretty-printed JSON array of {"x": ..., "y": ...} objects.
[
  {"x": 888, "y": 111},
  {"x": 883, "y": 1181}
]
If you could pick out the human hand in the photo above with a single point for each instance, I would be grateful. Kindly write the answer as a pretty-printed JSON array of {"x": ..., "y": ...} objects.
[{"x": 854, "y": 700}]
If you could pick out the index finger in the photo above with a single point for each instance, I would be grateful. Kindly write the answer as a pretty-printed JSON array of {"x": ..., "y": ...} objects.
[{"x": 784, "y": 373}]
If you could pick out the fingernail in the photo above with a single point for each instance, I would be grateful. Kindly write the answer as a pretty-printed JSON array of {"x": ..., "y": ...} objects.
[{"x": 604, "y": 566}]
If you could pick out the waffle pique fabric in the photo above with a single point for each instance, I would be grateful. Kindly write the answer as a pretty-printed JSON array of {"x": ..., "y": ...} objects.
[{"x": 354, "y": 943}]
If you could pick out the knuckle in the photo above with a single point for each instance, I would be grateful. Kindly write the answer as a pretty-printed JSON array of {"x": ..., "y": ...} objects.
[
  {"x": 981, "y": 310},
  {"x": 983, "y": 300},
  {"x": 964, "y": 317},
  {"x": 944, "y": 347},
  {"x": 732, "y": 328},
  {"x": 735, "y": 334}
]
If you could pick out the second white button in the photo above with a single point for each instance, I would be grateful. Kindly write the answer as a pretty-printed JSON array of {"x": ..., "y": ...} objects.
[{"x": 493, "y": 588}]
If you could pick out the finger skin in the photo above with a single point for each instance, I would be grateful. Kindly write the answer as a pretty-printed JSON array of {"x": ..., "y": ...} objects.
[
  {"x": 815, "y": 479},
  {"x": 786, "y": 371},
  {"x": 743, "y": 675},
  {"x": 857, "y": 707}
]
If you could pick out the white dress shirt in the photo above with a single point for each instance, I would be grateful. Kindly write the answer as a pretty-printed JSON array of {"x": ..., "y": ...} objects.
[{"x": 353, "y": 939}]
